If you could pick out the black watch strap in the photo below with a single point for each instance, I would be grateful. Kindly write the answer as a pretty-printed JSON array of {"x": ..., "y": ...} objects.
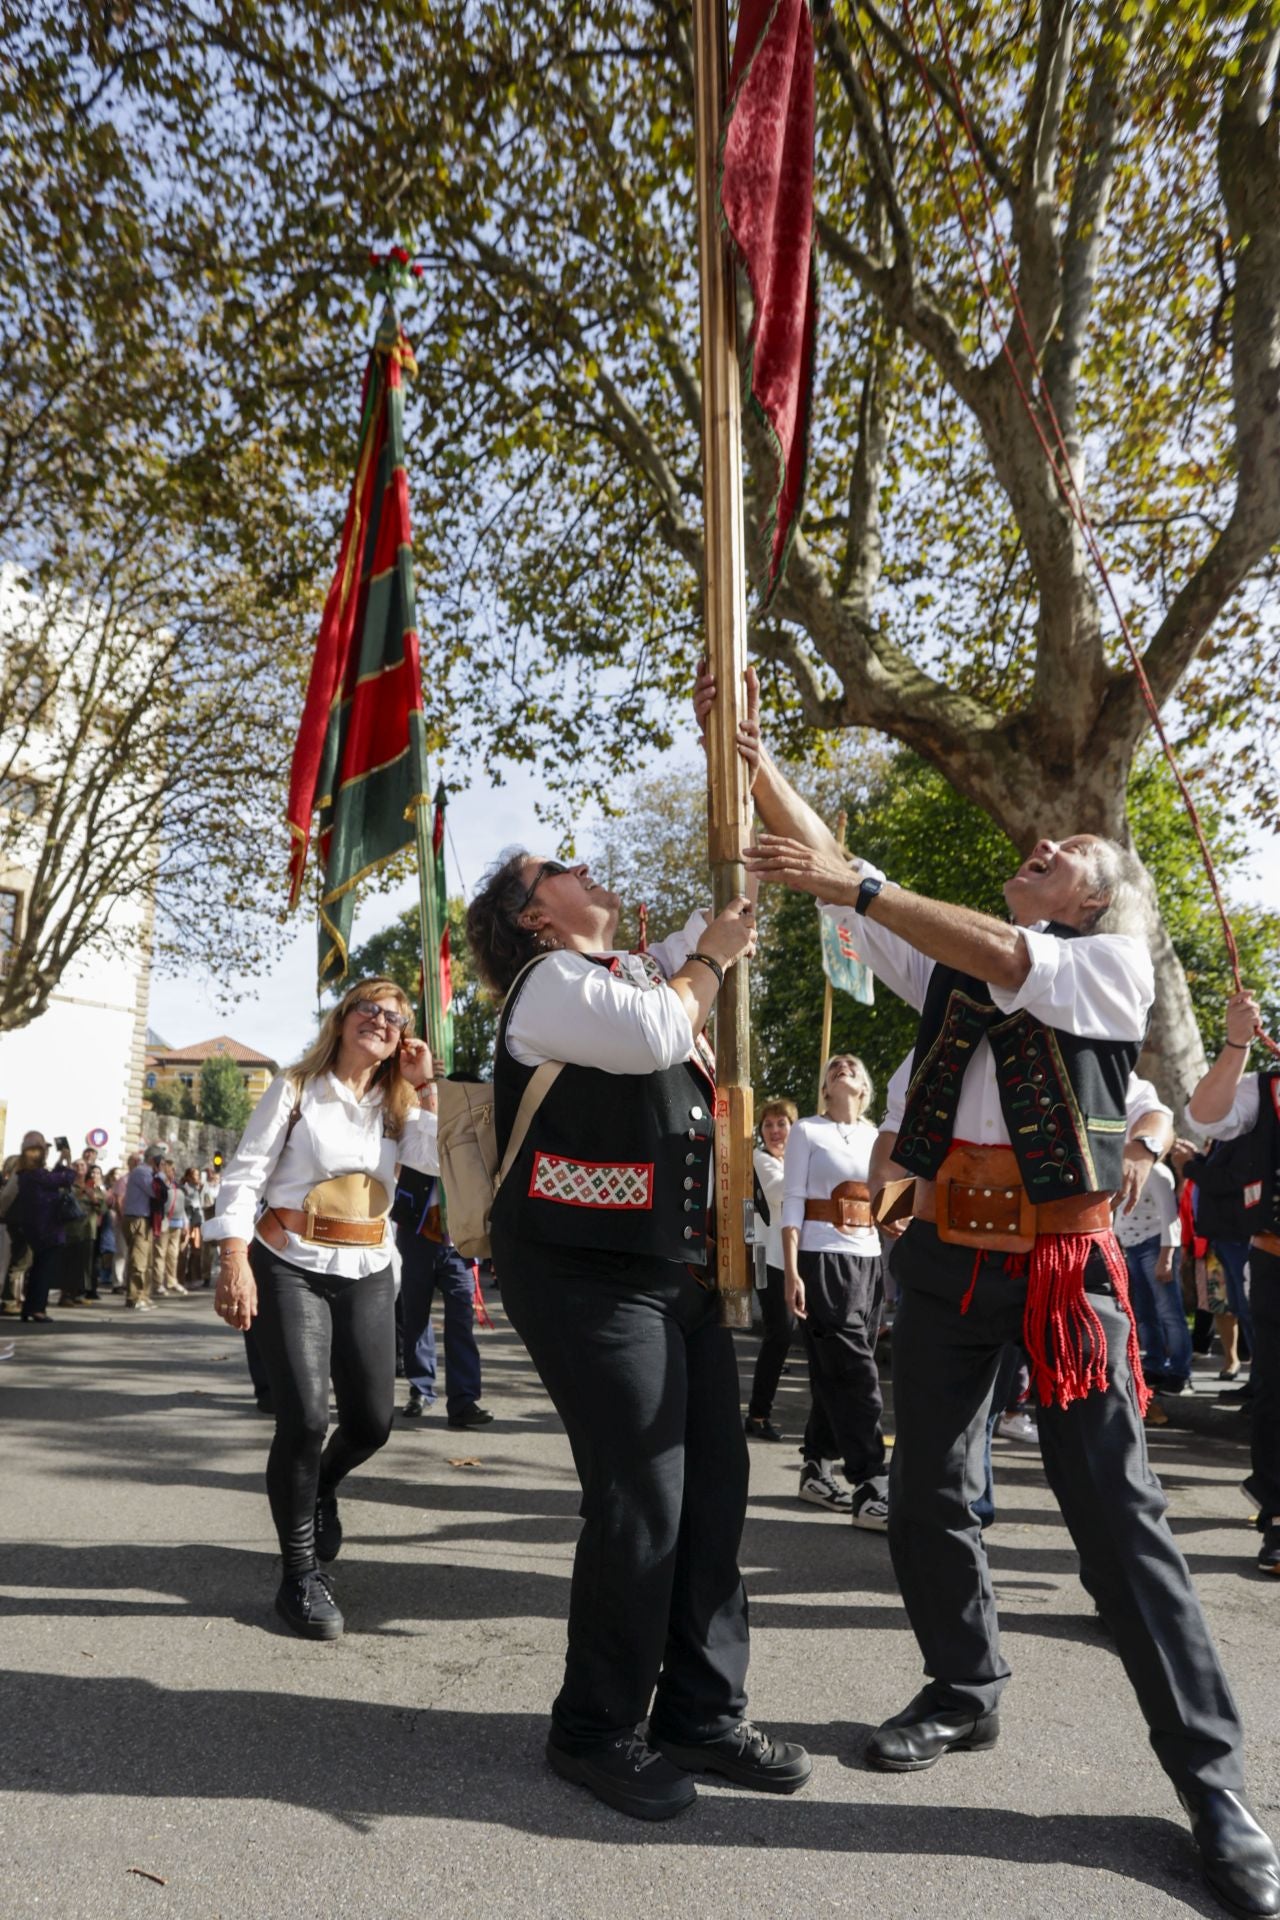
[{"x": 866, "y": 894}]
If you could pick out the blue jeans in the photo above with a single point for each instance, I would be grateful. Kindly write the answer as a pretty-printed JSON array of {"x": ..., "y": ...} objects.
[
  {"x": 1157, "y": 1307},
  {"x": 1234, "y": 1255},
  {"x": 424, "y": 1266}
]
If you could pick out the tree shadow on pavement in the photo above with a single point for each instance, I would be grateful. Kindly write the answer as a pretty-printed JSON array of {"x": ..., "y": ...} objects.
[{"x": 361, "y": 1762}]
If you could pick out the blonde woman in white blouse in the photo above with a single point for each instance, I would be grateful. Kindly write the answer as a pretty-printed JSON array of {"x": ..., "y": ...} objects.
[
  {"x": 777, "y": 1117},
  {"x": 835, "y": 1287},
  {"x": 302, "y": 1221}
]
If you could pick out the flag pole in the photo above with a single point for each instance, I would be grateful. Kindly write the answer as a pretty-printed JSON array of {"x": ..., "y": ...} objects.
[
  {"x": 725, "y": 614},
  {"x": 429, "y": 928},
  {"x": 828, "y": 994}
]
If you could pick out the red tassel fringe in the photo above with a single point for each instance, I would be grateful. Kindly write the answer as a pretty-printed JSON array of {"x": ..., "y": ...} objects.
[{"x": 1062, "y": 1334}]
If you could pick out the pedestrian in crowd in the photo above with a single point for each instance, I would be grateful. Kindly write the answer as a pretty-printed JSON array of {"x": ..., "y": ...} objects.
[
  {"x": 93, "y": 1196},
  {"x": 172, "y": 1234},
  {"x": 302, "y": 1222},
  {"x": 1014, "y": 1132},
  {"x": 118, "y": 1183},
  {"x": 1237, "y": 1105},
  {"x": 76, "y": 1276},
  {"x": 14, "y": 1252},
  {"x": 143, "y": 1210},
  {"x": 600, "y": 1245},
  {"x": 1149, "y": 1236},
  {"x": 835, "y": 1288},
  {"x": 777, "y": 1117},
  {"x": 192, "y": 1188},
  {"x": 45, "y": 1201},
  {"x": 210, "y": 1182},
  {"x": 109, "y": 1236},
  {"x": 431, "y": 1264}
]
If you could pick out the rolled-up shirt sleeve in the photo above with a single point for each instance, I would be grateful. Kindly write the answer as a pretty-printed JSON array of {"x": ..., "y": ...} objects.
[
  {"x": 1100, "y": 986},
  {"x": 244, "y": 1178},
  {"x": 672, "y": 952},
  {"x": 417, "y": 1143},
  {"x": 795, "y": 1178},
  {"x": 1140, "y": 1099},
  {"x": 902, "y": 967},
  {"x": 1241, "y": 1117},
  {"x": 573, "y": 1009}
]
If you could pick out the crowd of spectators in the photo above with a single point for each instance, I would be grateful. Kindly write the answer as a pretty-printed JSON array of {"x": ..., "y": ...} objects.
[{"x": 72, "y": 1232}]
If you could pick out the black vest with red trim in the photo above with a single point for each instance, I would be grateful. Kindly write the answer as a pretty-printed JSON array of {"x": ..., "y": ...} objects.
[
  {"x": 1239, "y": 1180},
  {"x": 614, "y": 1160},
  {"x": 1062, "y": 1097}
]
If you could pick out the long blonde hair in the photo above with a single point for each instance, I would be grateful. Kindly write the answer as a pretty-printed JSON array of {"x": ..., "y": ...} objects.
[
  {"x": 397, "y": 1095},
  {"x": 863, "y": 1079}
]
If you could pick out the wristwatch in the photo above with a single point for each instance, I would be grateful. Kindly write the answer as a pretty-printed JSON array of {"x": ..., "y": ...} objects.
[
  {"x": 867, "y": 893},
  {"x": 1151, "y": 1144}
]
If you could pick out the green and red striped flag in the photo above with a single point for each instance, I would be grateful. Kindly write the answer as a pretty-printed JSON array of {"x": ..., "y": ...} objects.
[
  {"x": 438, "y": 943},
  {"x": 360, "y": 761}
]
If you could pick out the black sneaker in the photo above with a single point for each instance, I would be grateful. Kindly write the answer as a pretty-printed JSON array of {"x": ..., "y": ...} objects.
[
  {"x": 758, "y": 1426},
  {"x": 415, "y": 1406},
  {"x": 473, "y": 1416},
  {"x": 747, "y": 1756},
  {"x": 305, "y": 1602},
  {"x": 629, "y": 1774},
  {"x": 1269, "y": 1551},
  {"x": 328, "y": 1527}
]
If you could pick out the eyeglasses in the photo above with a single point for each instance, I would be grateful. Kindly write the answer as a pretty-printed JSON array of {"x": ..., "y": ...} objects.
[
  {"x": 372, "y": 1011},
  {"x": 547, "y": 871}
]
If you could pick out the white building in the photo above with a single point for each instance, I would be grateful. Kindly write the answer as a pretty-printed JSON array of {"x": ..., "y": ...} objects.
[{"x": 78, "y": 1067}]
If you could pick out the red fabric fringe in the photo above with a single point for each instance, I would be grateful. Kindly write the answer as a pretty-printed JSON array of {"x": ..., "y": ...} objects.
[
  {"x": 477, "y": 1298},
  {"x": 1063, "y": 1336}
]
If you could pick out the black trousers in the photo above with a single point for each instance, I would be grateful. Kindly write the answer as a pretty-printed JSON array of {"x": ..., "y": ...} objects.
[
  {"x": 1095, "y": 1460},
  {"x": 1264, "y": 1303},
  {"x": 311, "y": 1327},
  {"x": 645, "y": 1379},
  {"x": 779, "y": 1331},
  {"x": 844, "y": 1302}
]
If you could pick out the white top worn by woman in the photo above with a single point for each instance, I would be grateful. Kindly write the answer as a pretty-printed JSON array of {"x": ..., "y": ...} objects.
[
  {"x": 336, "y": 1134},
  {"x": 1155, "y": 1213},
  {"x": 570, "y": 1008},
  {"x": 821, "y": 1155},
  {"x": 770, "y": 1173}
]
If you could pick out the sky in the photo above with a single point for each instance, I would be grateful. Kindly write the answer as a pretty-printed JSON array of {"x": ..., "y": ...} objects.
[{"x": 276, "y": 1013}]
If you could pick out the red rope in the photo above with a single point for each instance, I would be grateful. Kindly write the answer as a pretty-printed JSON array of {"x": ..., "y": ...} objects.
[{"x": 1062, "y": 473}]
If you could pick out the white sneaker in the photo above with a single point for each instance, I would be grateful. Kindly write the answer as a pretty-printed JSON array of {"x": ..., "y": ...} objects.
[
  {"x": 1019, "y": 1426},
  {"x": 871, "y": 1505},
  {"x": 820, "y": 1490}
]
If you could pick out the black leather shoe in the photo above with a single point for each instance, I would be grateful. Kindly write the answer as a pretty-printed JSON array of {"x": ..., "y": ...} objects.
[
  {"x": 306, "y": 1603},
  {"x": 473, "y": 1416},
  {"x": 328, "y": 1527},
  {"x": 415, "y": 1406},
  {"x": 746, "y": 1755},
  {"x": 758, "y": 1426},
  {"x": 629, "y": 1774},
  {"x": 1269, "y": 1551},
  {"x": 1236, "y": 1855},
  {"x": 918, "y": 1736}
]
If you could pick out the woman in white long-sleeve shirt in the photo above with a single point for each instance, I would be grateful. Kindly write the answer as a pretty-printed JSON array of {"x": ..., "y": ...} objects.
[
  {"x": 301, "y": 1219},
  {"x": 777, "y": 1117},
  {"x": 601, "y": 1243},
  {"x": 835, "y": 1287}
]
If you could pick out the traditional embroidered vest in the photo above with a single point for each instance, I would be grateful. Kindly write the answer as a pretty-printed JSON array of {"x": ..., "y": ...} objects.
[
  {"x": 612, "y": 1160},
  {"x": 1062, "y": 1097}
]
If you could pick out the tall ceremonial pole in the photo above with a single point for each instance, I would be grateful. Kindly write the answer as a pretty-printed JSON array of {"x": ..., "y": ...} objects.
[{"x": 725, "y": 613}]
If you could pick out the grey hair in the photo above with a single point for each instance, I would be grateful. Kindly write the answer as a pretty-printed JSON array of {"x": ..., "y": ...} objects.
[{"x": 1118, "y": 874}]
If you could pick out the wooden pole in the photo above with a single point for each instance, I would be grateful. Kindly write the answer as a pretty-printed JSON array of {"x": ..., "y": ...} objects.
[
  {"x": 428, "y": 921},
  {"x": 725, "y": 613},
  {"x": 827, "y": 995}
]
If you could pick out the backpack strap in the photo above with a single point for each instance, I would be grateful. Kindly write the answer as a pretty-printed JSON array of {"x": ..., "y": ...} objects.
[{"x": 544, "y": 1078}]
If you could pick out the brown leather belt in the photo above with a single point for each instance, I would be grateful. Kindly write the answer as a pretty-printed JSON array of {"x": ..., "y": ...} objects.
[
  {"x": 328, "y": 1232},
  {"x": 978, "y": 1200},
  {"x": 1267, "y": 1243},
  {"x": 848, "y": 1207}
]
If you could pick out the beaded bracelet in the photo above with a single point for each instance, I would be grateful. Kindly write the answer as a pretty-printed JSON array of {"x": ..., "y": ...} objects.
[{"x": 714, "y": 965}]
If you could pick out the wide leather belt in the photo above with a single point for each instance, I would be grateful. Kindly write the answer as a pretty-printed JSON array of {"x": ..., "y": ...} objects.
[
  {"x": 1267, "y": 1243},
  {"x": 325, "y": 1230},
  {"x": 848, "y": 1207},
  {"x": 978, "y": 1200}
]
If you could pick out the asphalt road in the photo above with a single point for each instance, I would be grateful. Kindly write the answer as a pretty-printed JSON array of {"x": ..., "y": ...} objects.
[{"x": 155, "y": 1717}]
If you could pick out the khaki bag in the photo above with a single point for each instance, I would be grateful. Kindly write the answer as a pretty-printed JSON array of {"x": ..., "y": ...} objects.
[{"x": 467, "y": 1142}]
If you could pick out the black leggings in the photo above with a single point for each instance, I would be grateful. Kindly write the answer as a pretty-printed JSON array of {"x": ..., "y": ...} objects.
[
  {"x": 779, "y": 1331},
  {"x": 311, "y": 1326}
]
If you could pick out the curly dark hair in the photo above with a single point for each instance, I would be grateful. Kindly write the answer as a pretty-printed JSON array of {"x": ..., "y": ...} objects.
[{"x": 499, "y": 945}]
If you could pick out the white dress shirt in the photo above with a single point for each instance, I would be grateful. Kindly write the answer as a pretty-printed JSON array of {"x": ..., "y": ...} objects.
[
  {"x": 1242, "y": 1116},
  {"x": 1140, "y": 1099},
  {"x": 336, "y": 1134},
  {"x": 572, "y": 1009},
  {"x": 821, "y": 1155},
  {"x": 769, "y": 1172},
  {"x": 1100, "y": 987}
]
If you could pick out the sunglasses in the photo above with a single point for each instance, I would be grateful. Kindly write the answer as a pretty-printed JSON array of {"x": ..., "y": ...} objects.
[
  {"x": 547, "y": 871},
  {"x": 372, "y": 1011}
]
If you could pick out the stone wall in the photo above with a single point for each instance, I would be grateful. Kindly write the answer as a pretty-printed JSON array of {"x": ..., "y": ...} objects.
[{"x": 190, "y": 1142}]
